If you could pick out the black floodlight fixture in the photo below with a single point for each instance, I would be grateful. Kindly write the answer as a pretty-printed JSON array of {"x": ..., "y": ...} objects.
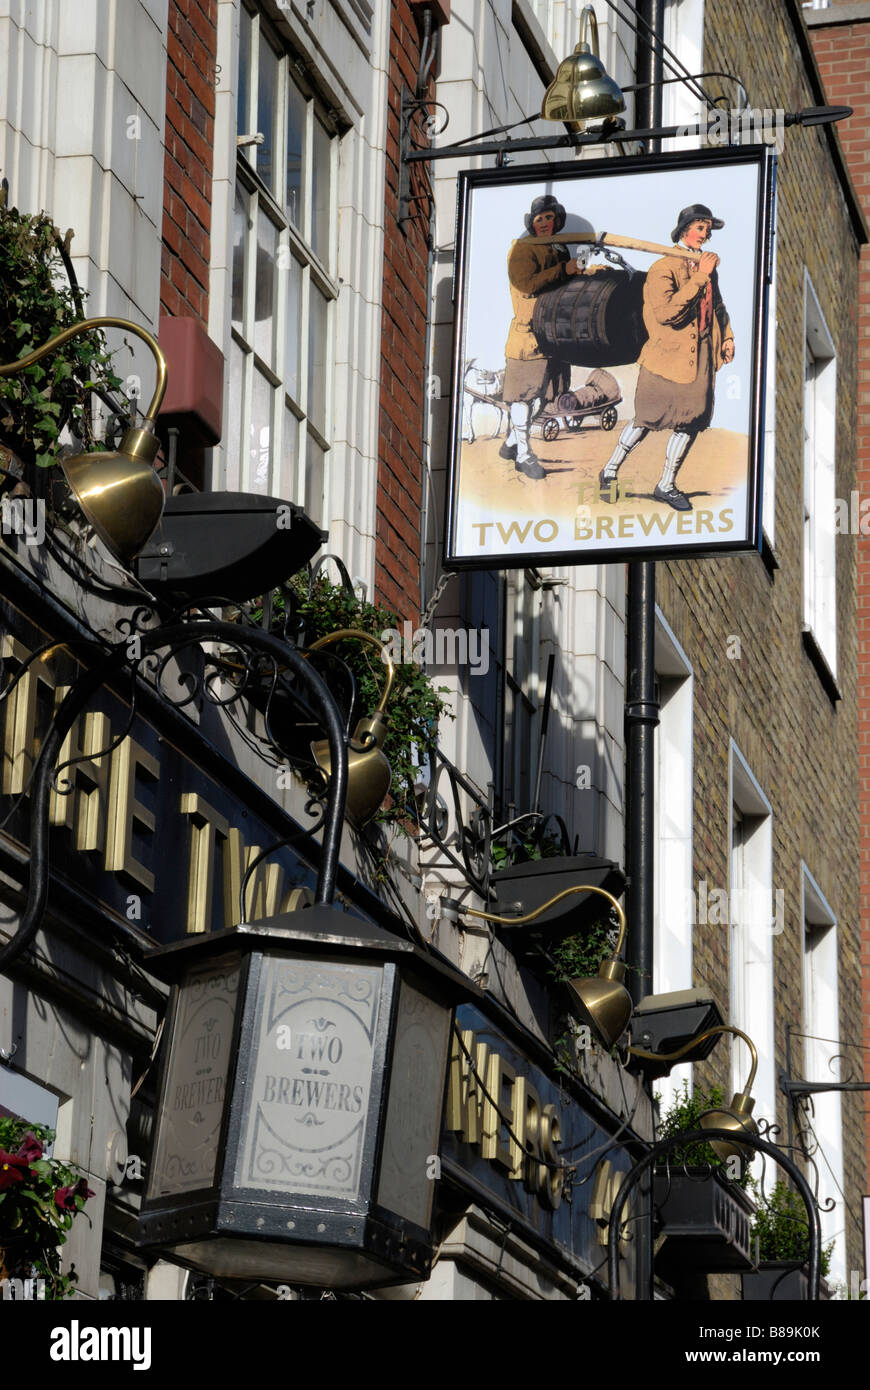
[
  {"x": 236, "y": 544},
  {"x": 664, "y": 1023}
]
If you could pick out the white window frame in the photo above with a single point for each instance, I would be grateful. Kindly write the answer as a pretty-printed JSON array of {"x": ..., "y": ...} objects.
[
  {"x": 768, "y": 482},
  {"x": 684, "y": 35},
  {"x": 821, "y": 1026},
  {"x": 293, "y": 439},
  {"x": 675, "y": 905},
  {"x": 819, "y": 490},
  {"x": 751, "y": 935}
]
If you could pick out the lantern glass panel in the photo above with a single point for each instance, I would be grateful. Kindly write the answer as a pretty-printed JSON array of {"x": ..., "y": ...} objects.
[
  {"x": 413, "y": 1117},
  {"x": 306, "y": 1112},
  {"x": 192, "y": 1103}
]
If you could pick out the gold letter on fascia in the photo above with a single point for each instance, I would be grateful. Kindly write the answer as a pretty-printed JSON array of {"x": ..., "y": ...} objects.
[
  {"x": 551, "y": 1176},
  {"x": 498, "y": 1073},
  {"x": 263, "y": 889},
  {"x": 465, "y": 1097},
  {"x": 20, "y": 746},
  {"x": 82, "y": 807},
  {"x": 205, "y": 825},
  {"x": 527, "y": 1127},
  {"x": 125, "y": 811}
]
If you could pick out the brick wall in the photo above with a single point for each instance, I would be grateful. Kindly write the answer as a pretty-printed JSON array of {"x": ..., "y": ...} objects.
[
  {"x": 403, "y": 339},
  {"x": 190, "y": 108},
  {"x": 801, "y": 746},
  {"x": 843, "y": 55}
]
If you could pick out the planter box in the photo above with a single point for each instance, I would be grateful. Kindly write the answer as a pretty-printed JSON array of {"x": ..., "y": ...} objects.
[
  {"x": 525, "y": 887},
  {"x": 779, "y": 1281},
  {"x": 703, "y": 1223}
]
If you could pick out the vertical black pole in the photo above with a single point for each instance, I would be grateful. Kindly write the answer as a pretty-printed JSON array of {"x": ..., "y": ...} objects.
[{"x": 642, "y": 708}]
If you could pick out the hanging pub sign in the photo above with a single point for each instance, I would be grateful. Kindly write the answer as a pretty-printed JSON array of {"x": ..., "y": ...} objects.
[{"x": 608, "y": 364}]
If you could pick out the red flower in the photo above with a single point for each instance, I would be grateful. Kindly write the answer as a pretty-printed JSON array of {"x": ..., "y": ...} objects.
[
  {"x": 11, "y": 1169},
  {"x": 30, "y": 1149},
  {"x": 65, "y": 1197}
]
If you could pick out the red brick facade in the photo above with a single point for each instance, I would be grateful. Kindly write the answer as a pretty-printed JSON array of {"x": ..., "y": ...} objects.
[
  {"x": 403, "y": 339},
  {"x": 843, "y": 54},
  {"x": 190, "y": 110}
]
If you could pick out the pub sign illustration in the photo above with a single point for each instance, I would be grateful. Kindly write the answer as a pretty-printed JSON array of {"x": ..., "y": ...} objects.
[{"x": 609, "y": 355}]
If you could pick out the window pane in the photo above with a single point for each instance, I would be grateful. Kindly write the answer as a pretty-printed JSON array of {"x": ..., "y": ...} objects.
[
  {"x": 244, "y": 73},
  {"x": 317, "y": 311},
  {"x": 296, "y": 105},
  {"x": 240, "y": 229},
  {"x": 290, "y": 274},
  {"x": 233, "y": 428},
  {"x": 315, "y": 468},
  {"x": 261, "y": 434},
  {"x": 264, "y": 299},
  {"x": 320, "y": 186},
  {"x": 267, "y": 95}
]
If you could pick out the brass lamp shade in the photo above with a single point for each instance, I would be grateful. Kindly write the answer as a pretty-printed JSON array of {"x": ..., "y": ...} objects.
[
  {"x": 736, "y": 1117},
  {"x": 581, "y": 90},
  {"x": 368, "y": 772},
  {"x": 603, "y": 1001},
  {"x": 119, "y": 492}
]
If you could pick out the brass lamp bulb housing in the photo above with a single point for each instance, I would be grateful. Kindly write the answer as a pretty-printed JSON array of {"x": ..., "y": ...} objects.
[
  {"x": 581, "y": 91},
  {"x": 603, "y": 1003},
  {"x": 736, "y": 1117},
  {"x": 119, "y": 492},
  {"x": 368, "y": 772}
]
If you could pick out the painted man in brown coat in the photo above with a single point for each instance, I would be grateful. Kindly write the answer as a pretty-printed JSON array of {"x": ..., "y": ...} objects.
[
  {"x": 531, "y": 377},
  {"x": 690, "y": 338}
]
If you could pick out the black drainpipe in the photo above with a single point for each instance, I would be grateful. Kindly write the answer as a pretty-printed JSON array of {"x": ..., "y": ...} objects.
[{"x": 642, "y": 705}]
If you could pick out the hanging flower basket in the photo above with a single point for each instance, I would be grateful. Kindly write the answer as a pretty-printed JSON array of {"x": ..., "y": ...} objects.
[
  {"x": 779, "y": 1281},
  {"x": 704, "y": 1222}
]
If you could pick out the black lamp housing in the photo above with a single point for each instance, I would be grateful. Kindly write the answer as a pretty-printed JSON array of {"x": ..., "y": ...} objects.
[
  {"x": 301, "y": 1103},
  {"x": 232, "y": 544},
  {"x": 523, "y": 888},
  {"x": 667, "y": 1022}
]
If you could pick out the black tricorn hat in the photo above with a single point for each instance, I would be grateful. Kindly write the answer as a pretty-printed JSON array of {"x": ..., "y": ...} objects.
[
  {"x": 692, "y": 214},
  {"x": 546, "y": 203}
]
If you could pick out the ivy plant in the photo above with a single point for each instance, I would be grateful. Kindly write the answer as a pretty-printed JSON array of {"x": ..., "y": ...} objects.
[
  {"x": 415, "y": 705},
  {"x": 582, "y": 954},
  {"x": 780, "y": 1227},
  {"x": 39, "y": 1200},
  {"x": 36, "y": 404}
]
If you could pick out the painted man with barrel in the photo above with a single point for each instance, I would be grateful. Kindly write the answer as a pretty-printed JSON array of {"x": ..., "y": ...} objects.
[
  {"x": 689, "y": 339},
  {"x": 531, "y": 377}
]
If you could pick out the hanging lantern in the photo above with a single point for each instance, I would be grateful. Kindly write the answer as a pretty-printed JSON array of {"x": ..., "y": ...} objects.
[{"x": 300, "y": 1105}]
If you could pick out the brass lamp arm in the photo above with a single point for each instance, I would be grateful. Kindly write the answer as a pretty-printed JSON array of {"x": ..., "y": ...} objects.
[
  {"x": 362, "y": 637},
  {"x": 85, "y": 326},
  {"x": 587, "y": 15},
  {"x": 681, "y": 1051},
  {"x": 530, "y": 916}
]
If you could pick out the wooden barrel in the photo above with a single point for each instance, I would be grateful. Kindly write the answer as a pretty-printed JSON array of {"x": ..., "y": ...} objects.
[{"x": 593, "y": 320}]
